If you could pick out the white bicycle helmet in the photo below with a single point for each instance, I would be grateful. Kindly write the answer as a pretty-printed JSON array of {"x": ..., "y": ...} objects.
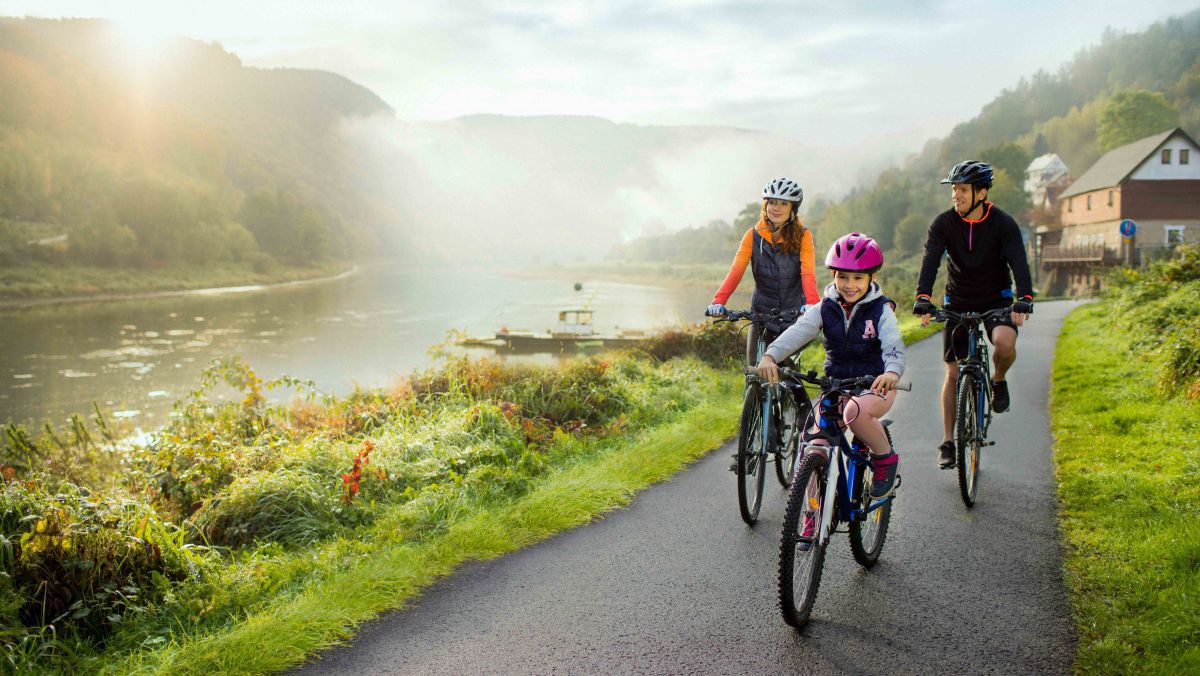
[{"x": 784, "y": 189}]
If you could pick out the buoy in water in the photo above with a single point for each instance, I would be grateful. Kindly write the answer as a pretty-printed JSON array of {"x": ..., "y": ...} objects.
[{"x": 578, "y": 286}]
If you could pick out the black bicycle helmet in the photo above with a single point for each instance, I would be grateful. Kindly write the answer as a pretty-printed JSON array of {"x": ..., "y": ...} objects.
[{"x": 978, "y": 174}]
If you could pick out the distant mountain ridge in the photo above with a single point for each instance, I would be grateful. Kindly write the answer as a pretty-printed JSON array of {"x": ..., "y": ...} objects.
[{"x": 124, "y": 149}]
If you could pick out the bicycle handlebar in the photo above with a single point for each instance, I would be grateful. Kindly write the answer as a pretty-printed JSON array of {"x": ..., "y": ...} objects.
[
  {"x": 787, "y": 316},
  {"x": 828, "y": 384},
  {"x": 942, "y": 315}
]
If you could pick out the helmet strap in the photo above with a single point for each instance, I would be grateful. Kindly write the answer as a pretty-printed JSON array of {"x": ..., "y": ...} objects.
[{"x": 974, "y": 203}]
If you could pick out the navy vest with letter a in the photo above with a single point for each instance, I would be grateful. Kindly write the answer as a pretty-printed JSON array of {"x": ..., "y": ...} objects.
[{"x": 855, "y": 350}]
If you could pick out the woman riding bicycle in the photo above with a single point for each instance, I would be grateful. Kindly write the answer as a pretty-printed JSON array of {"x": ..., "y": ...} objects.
[
  {"x": 862, "y": 338},
  {"x": 779, "y": 251}
]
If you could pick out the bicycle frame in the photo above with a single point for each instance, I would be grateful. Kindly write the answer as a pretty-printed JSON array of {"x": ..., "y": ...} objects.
[
  {"x": 770, "y": 392},
  {"x": 977, "y": 360},
  {"x": 847, "y": 460}
]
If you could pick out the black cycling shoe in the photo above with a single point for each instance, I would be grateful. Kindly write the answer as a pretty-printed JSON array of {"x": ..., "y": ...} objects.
[
  {"x": 1000, "y": 399},
  {"x": 946, "y": 458}
]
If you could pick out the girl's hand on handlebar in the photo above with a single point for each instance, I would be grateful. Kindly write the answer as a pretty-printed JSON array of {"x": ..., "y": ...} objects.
[
  {"x": 767, "y": 369},
  {"x": 885, "y": 383}
]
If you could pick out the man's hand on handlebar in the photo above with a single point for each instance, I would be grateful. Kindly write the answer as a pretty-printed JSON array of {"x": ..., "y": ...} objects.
[
  {"x": 1021, "y": 310},
  {"x": 924, "y": 309},
  {"x": 715, "y": 310},
  {"x": 885, "y": 383},
  {"x": 767, "y": 369}
]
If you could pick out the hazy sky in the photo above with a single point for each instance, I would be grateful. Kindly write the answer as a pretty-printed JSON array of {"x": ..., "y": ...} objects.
[{"x": 877, "y": 75}]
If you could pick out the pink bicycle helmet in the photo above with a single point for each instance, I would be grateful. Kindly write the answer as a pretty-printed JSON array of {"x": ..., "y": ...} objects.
[{"x": 854, "y": 253}]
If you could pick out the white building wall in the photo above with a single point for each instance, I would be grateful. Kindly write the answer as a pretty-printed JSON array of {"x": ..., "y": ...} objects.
[{"x": 1152, "y": 168}]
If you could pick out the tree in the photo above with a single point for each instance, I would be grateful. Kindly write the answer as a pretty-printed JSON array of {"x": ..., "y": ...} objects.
[
  {"x": 1040, "y": 147},
  {"x": 1131, "y": 115},
  {"x": 1008, "y": 194},
  {"x": 910, "y": 233},
  {"x": 1007, "y": 157}
]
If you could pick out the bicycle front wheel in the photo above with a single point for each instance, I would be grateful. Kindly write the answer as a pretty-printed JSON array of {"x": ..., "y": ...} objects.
[
  {"x": 967, "y": 439},
  {"x": 801, "y": 552},
  {"x": 868, "y": 534},
  {"x": 751, "y": 473}
]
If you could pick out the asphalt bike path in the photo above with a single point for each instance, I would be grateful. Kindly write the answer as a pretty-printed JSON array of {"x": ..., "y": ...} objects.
[{"x": 677, "y": 583}]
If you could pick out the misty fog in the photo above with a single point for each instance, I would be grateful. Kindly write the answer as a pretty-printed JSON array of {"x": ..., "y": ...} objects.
[{"x": 553, "y": 189}]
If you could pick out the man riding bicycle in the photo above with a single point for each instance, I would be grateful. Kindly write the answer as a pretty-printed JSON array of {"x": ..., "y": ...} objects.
[{"x": 983, "y": 244}]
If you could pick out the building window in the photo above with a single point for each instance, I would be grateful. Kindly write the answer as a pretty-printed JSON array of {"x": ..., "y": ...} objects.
[
  {"x": 1184, "y": 155},
  {"x": 1166, "y": 156},
  {"x": 1070, "y": 204},
  {"x": 1172, "y": 235},
  {"x": 1110, "y": 198},
  {"x": 1089, "y": 202}
]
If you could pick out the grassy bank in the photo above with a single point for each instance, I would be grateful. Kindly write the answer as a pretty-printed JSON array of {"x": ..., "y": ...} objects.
[
  {"x": 384, "y": 573},
  {"x": 249, "y": 535},
  {"x": 1127, "y": 449},
  {"x": 40, "y": 281}
]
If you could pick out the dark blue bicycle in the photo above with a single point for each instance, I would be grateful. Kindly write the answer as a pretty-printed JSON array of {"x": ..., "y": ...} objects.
[
  {"x": 832, "y": 486},
  {"x": 972, "y": 396}
]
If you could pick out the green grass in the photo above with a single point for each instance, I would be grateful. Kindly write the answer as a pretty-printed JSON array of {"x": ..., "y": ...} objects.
[
  {"x": 384, "y": 574},
  {"x": 39, "y": 280},
  {"x": 1128, "y": 467}
]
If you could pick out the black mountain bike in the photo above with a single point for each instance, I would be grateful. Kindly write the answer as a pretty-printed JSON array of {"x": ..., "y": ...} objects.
[
  {"x": 972, "y": 396},
  {"x": 832, "y": 487},
  {"x": 772, "y": 417}
]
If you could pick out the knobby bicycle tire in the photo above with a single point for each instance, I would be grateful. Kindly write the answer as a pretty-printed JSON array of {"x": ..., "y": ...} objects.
[
  {"x": 966, "y": 436},
  {"x": 796, "y": 603},
  {"x": 751, "y": 470},
  {"x": 866, "y": 542}
]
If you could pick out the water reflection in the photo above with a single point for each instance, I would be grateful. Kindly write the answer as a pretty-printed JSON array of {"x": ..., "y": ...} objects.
[{"x": 135, "y": 357}]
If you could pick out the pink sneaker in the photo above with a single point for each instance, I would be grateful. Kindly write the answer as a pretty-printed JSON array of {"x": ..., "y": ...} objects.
[
  {"x": 885, "y": 474},
  {"x": 808, "y": 532}
]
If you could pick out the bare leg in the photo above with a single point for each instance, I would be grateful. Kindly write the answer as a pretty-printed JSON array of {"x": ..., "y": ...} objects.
[
  {"x": 1004, "y": 342},
  {"x": 948, "y": 394},
  {"x": 862, "y": 414}
]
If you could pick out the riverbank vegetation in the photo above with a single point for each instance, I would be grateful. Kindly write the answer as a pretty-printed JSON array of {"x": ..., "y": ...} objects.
[
  {"x": 248, "y": 535},
  {"x": 1126, "y": 417}
]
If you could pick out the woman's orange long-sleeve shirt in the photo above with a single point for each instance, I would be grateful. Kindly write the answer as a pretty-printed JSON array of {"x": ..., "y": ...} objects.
[{"x": 808, "y": 276}]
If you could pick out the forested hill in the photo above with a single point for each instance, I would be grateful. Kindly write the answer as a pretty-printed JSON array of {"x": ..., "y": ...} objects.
[
  {"x": 176, "y": 153},
  {"x": 1126, "y": 87}
]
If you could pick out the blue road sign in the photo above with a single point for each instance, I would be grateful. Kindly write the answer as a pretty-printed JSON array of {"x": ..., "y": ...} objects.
[{"x": 1128, "y": 228}]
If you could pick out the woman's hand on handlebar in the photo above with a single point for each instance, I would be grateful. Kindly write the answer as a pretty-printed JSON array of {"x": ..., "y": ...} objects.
[
  {"x": 767, "y": 369},
  {"x": 884, "y": 383}
]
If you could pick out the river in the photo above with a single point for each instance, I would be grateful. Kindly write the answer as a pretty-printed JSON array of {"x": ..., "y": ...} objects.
[{"x": 136, "y": 357}]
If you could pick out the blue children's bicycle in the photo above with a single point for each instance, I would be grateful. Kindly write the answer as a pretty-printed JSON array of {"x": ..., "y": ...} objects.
[{"x": 832, "y": 486}]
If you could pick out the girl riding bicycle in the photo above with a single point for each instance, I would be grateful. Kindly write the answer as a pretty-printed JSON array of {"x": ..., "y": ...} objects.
[
  {"x": 779, "y": 251},
  {"x": 862, "y": 338}
]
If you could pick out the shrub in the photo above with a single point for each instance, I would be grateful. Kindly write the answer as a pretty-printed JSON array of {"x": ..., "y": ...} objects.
[
  {"x": 291, "y": 507},
  {"x": 84, "y": 562}
]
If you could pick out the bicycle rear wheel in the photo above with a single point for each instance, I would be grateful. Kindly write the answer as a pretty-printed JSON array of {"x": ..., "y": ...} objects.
[
  {"x": 801, "y": 555},
  {"x": 792, "y": 422},
  {"x": 751, "y": 470},
  {"x": 868, "y": 535},
  {"x": 967, "y": 439}
]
